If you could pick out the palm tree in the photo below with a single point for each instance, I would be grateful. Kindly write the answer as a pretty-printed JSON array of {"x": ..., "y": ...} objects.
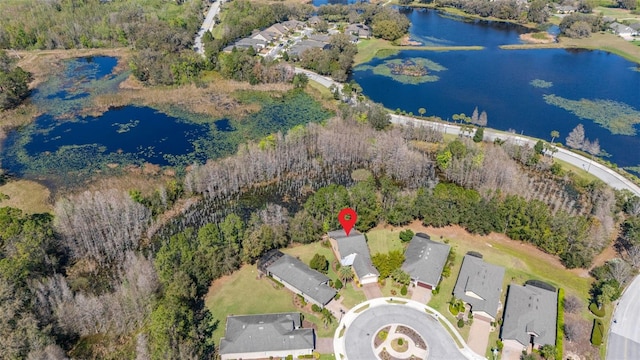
[
  {"x": 327, "y": 317},
  {"x": 422, "y": 111},
  {"x": 554, "y": 135},
  {"x": 345, "y": 274}
]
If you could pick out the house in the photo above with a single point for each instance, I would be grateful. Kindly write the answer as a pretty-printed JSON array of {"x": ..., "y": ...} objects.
[
  {"x": 314, "y": 20},
  {"x": 265, "y": 336},
  {"x": 530, "y": 315},
  {"x": 622, "y": 30},
  {"x": 424, "y": 260},
  {"x": 360, "y": 30},
  {"x": 300, "y": 47},
  {"x": 565, "y": 9},
  {"x": 246, "y": 43},
  {"x": 635, "y": 26},
  {"x": 479, "y": 284},
  {"x": 266, "y": 36},
  {"x": 353, "y": 251},
  {"x": 297, "y": 277},
  {"x": 293, "y": 25}
]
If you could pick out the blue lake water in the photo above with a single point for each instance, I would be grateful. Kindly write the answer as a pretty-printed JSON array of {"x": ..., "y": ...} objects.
[{"x": 498, "y": 82}]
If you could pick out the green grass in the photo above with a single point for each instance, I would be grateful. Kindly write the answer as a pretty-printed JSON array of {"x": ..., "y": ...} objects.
[
  {"x": 384, "y": 241},
  {"x": 352, "y": 297},
  {"x": 372, "y": 48},
  {"x": 242, "y": 293},
  {"x": 578, "y": 171}
]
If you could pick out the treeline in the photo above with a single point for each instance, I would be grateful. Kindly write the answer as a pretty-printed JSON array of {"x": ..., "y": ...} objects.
[
  {"x": 14, "y": 82},
  {"x": 502, "y": 9},
  {"x": 579, "y": 25}
]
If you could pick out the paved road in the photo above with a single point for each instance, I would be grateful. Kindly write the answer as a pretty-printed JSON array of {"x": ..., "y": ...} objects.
[
  {"x": 359, "y": 335},
  {"x": 206, "y": 26},
  {"x": 624, "y": 334}
]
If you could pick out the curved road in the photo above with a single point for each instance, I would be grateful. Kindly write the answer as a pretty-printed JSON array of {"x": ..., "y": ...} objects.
[
  {"x": 207, "y": 25},
  {"x": 624, "y": 334},
  {"x": 359, "y": 335}
]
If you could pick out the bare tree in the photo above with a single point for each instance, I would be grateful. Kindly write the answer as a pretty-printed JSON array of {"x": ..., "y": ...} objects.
[
  {"x": 575, "y": 329},
  {"x": 572, "y": 304},
  {"x": 593, "y": 148},
  {"x": 619, "y": 270},
  {"x": 483, "y": 119},
  {"x": 633, "y": 253},
  {"x": 101, "y": 225},
  {"x": 474, "y": 116},
  {"x": 576, "y": 137}
]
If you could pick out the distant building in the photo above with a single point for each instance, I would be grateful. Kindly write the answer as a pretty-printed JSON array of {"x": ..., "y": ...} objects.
[
  {"x": 530, "y": 316},
  {"x": 301, "y": 46},
  {"x": 360, "y": 30},
  {"x": 565, "y": 9},
  {"x": 622, "y": 30},
  {"x": 353, "y": 251},
  {"x": 265, "y": 336},
  {"x": 297, "y": 277},
  {"x": 293, "y": 25},
  {"x": 246, "y": 43},
  {"x": 424, "y": 260},
  {"x": 479, "y": 284}
]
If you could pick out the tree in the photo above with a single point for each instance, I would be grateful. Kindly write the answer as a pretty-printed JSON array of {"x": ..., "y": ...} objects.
[
  {"x": 483, "y": 119},
  {"x": 401, "y": 277},
  {"x": 300, "y": 81},
  {"x": 406, "y": 235},
  {"x": 538, "y": 12},
  {"x": 327, "y": 317},
  {"x": 422, "y": 111},
  {"x": 548, "y": 351},
  {"x": 319, "y": 263},
  {"x": 474, "y": 116},
  {"x": 628, "y": 4},
  {"x": 572, "y": 304},
  {"x": 538, "y": 147},
  {"x": 479, "y": 135},
  {"x": 554, "y": 135},
  {"x": 14, "y": 82},
  {"x": 576, "y": 137},
  {"x": 345, "y": 273},
  {"x": 378, "y": 117}
]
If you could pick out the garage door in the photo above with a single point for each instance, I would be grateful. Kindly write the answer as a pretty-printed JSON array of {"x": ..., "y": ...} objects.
[{"x": 421, "y": 284}]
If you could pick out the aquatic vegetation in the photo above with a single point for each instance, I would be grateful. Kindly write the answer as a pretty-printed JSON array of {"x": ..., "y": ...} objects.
[
  {"x": 617, "y": 117},
  {"x": 70, "y": 91},
  {"x": 407, "y": 71},
  {"x": 539, "y": 83}
]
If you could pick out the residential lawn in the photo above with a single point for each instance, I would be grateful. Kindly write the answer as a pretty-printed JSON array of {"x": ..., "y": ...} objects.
[
  {"x": 306, "y": 252},
  {"x": 392, "y": 285},
  {"x": 493, "y": 337},
  {"x": 384, "y": 241},
  {"x": 351, "y": 296},
  {"x": 242, "y": 293},
  {"x": 327, "y": 357}
]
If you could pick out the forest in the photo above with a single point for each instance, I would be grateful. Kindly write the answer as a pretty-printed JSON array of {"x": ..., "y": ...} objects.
[{"x": 127, "y": 271}]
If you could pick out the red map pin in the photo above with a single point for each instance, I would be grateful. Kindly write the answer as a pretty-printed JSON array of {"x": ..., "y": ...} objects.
[{"x": 347, "y": 218}]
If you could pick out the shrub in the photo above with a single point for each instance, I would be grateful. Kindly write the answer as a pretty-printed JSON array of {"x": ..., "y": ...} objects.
[
  {"x": 499, "y": 345},
  {"x": 597, "y": 332},
  {"x": 593, "y": 307},
  {"x": 406, "y": 235},
  {"x": 393, "y": 292},
  {"x": 302, "y": 300},
  {"x": 453, "y": 309},
  {"x": 316, "y": 308},
  {"x": 382, "y": 335},
  {"x": 337, "y": 296},
  {"x": 560, "y": 324},
  {"x": 400, "y": 341},
  {"x": 436, "y": 290},
  {"x": 338, "y": 284},
  {"x": 403, "y": 290},
  {"x": 319, "y": 263},
  {"x": 460, "y": 323}
]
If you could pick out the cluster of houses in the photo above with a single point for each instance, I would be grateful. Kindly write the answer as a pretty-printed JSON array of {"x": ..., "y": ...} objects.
[
  {"x": 529, "y": 316},
  {"x": 627, "y": 32},
  {"x": 295, "y": 37}
]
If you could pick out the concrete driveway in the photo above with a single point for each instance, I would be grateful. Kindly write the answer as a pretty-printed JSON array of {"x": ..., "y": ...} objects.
[
  {"x": 420, "y": 294},
  {"x": 479, "y": 336},
  {"x": 372, "y": 291},
  {"x": 624, "y": 335},
  {"x": 359, "y": 335},
  {"x": 324, "y": 345}
]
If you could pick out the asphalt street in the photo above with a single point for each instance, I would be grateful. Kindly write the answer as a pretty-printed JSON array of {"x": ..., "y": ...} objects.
[
  {"x": 624, "y": 335},
  {"x": 359, "y": 335},
  {"x": 206, "y": 26}
]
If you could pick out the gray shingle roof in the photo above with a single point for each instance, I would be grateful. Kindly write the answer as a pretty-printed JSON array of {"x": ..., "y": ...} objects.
[
  {"x": 265, "y": 332},
  {"x": 303, "y": 45},
  {"x": 530, "y": 309},
  {"x": 308, "y": 281},
  {"x": 481, "y": 279},
  {"x": 355, "y": 243},
  {"x": 425, "y": 259}
]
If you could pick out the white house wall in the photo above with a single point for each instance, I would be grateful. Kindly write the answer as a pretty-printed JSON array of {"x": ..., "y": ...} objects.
[
  {"x": 267, "y": 354},
  {"x": 296, "y": 291}
]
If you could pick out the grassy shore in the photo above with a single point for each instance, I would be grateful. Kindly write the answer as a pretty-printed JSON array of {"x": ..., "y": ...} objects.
[{"x": 372, "y": 48}]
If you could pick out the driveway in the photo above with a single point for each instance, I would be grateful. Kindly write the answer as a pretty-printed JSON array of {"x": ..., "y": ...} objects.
[
  {"x": 420, "y": 294},
  {"x": 359, "y": 335},
  {"x": 511, "y": 353},
  {"x": 479, "y": 336},
  {"x": 372, "y": 291},
  {"x": 324, "y": 345},
  {"x": 624, "y": 335},
  {"x": 335, "y": 306}
]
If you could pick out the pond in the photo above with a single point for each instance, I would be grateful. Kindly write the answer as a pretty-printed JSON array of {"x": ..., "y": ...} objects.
[
  {"x": 528, "y": 91},
  {"x": 63, "y": 147}
]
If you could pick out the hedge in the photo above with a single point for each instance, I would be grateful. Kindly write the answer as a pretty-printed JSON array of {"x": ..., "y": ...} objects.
[
  {"x": 597, "y": 332},
  {"x": 593, "y": 307},
  {"x": 560, "y": 324}
]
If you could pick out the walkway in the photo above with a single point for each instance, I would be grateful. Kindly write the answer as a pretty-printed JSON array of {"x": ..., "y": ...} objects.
[{"x": 354, "y": 338}]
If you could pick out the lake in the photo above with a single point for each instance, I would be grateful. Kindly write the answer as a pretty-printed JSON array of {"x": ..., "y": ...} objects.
[
  {"x": 500, "y": 83},
  {"x": 62, "y": 146}
]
